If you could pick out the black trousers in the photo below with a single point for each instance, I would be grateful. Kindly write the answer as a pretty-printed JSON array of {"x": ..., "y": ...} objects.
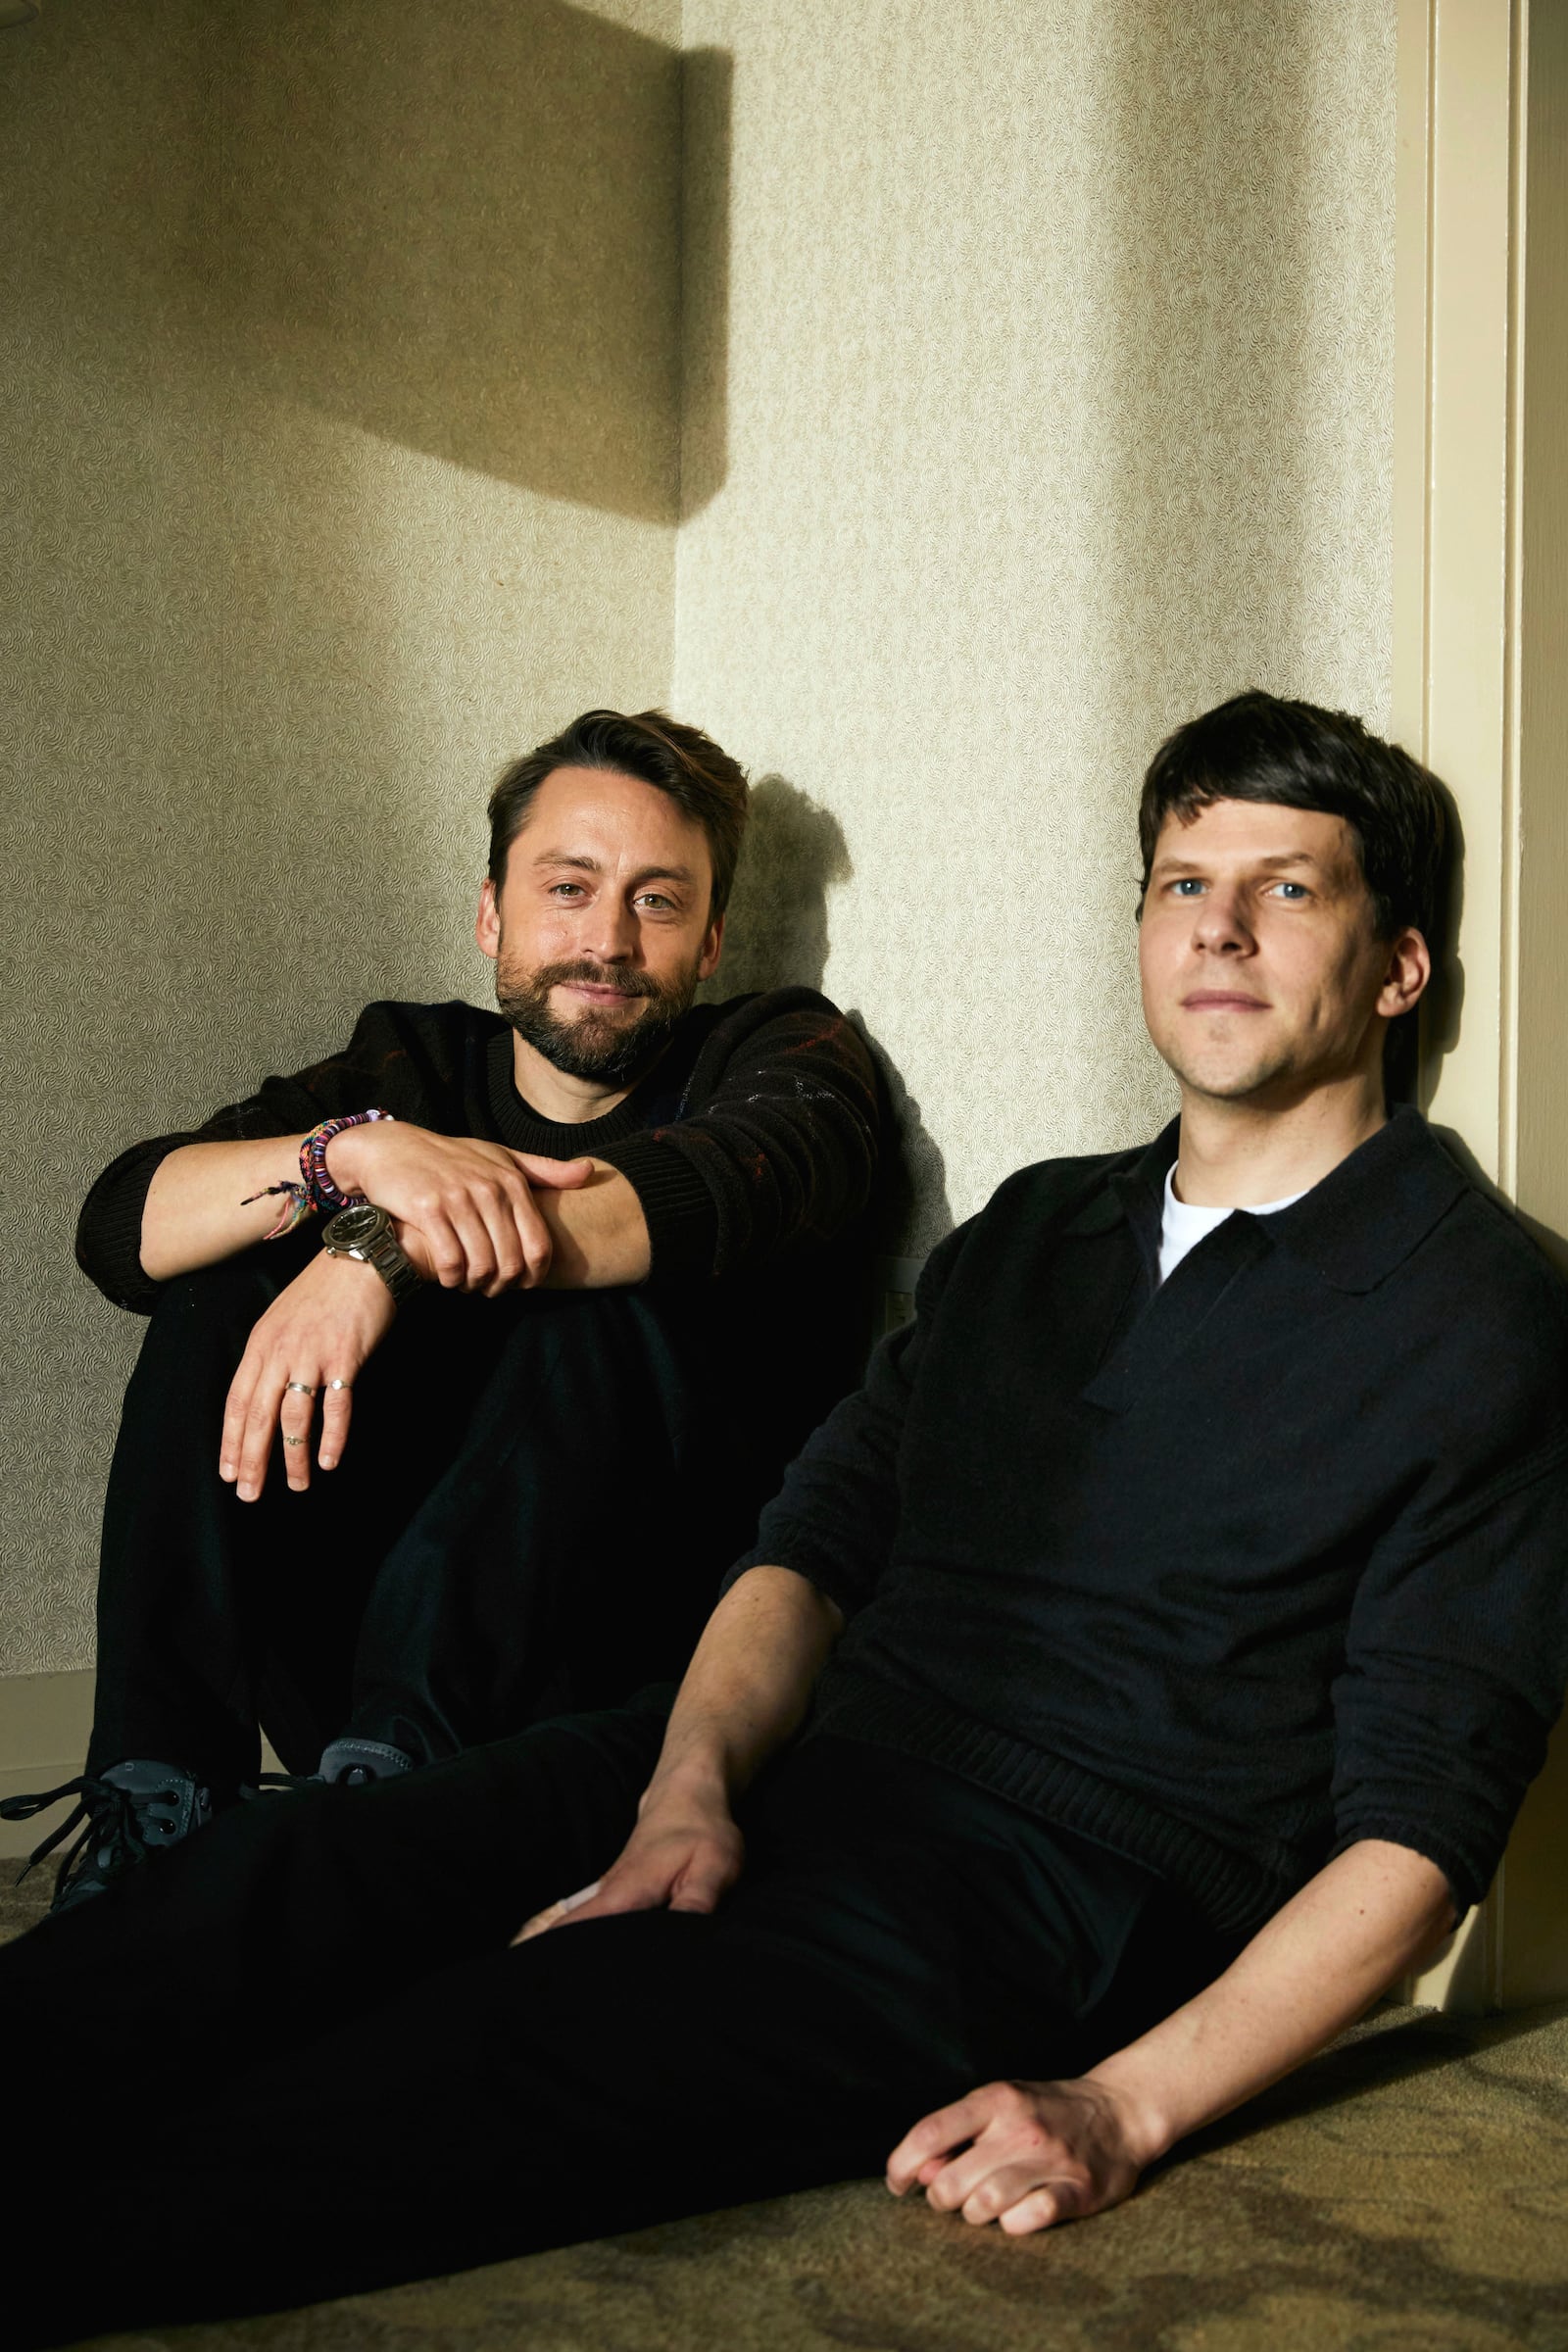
[
  {"x": 297, "y": 2057},
  {"x": 533, "y": 1512}
]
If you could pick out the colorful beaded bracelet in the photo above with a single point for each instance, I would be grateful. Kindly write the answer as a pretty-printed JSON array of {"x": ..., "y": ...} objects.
[
  {"x": 318, "y": 1184},
  {"x": 316, "y": 1189}
]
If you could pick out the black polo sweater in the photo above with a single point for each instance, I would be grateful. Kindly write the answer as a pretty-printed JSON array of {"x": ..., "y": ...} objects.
[{"x": 1229, "y": 1573}]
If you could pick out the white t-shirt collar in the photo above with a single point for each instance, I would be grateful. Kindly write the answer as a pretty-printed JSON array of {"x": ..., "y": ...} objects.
[{"x": 1184, "y": 1227}]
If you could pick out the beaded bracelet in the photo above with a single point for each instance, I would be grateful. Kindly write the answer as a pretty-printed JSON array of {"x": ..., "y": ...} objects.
[
  {"x": 318, "y": 1184},
  {"x": 316, "y": 1189}
]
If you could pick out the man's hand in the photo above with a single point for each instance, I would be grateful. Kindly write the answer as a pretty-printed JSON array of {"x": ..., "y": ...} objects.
[
  {"x": 471, "y": 1203},
  {"x": 683, "y": 1855},
  {"x": 320, "y": 1330},
  {"x": 1024, "y": 2154},
  {"x": 1027, "y": 2154}
]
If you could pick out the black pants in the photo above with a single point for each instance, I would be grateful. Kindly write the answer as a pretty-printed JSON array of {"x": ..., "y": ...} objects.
[
  {"x": 533, "y": 1512},
  {"x": 297, "y": 2058}
]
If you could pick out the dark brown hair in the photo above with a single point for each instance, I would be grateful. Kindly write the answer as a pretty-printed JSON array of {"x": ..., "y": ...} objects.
[
  {"x": 702, "y": 780},
  {"x": 1258, "y": 747}
]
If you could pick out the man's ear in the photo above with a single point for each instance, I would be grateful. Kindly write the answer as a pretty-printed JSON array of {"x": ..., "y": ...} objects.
[
  {"x": 487, "y": 922},
  {"x": 1409, "y": 968},
  {"x": 712, "y": 949}
]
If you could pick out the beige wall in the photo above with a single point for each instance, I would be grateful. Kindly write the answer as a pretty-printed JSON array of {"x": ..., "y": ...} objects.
[
  {"x": 340, "y": 354},
  {"x": 1059, "y": 405}
]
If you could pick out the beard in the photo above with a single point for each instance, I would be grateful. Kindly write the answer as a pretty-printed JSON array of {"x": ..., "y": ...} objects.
[{"x": 601, "y": 1044}]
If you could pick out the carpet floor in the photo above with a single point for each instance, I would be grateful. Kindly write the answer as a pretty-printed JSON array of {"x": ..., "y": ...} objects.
[{"x": 1408, "y": 2190}]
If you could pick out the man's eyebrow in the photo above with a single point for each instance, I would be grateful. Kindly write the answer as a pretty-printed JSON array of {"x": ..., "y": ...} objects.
[
  {"x": 1165, "y": 864},
  {"x": 580, "y": 862}
]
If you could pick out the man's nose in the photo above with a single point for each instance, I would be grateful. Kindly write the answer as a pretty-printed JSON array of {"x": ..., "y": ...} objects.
[
  {"x": 1221, "y": 926},
  {"x": 611, "y": 931}
]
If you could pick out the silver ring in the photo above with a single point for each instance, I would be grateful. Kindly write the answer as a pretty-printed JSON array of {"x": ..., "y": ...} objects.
[
  {"x": 337, "y": 1383},
  {"x": 293, "y": 1440},
  {"x": 301, "y": 1388}
]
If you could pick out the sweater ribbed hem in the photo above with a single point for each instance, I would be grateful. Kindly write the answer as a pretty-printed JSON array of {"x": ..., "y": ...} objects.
[{"x": 1235, "y": 1891}]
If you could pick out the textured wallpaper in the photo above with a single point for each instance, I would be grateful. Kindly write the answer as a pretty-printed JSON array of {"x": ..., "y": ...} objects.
[
  {"x": 341, "y": 357},
  {"x": 1055, "y": 404},
  {"x": 1022, "y": 368}
]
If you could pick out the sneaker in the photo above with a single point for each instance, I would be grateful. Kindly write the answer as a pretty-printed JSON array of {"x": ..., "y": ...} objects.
[
  {"x": 348, "y": 1763},
  {"x": 353, "y": 1762},
  {"x": 128, "y": 1811}
]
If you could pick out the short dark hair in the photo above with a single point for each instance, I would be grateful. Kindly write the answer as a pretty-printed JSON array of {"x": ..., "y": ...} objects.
[
  {"x": 702, "y": 782},
  {"x": 1258, "y": 747}
]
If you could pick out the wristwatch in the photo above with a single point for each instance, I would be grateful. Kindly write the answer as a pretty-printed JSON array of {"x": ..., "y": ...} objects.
[{"x": 368, "y": 1233}]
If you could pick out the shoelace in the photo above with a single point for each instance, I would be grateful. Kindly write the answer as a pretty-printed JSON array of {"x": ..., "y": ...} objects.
[{"x": 112, "y": 1816}]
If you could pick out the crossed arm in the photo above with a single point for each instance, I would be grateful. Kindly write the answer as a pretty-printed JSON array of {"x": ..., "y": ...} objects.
[
  {"x": 472, "y": 1215},
  {"x": 1022, "y": 2154}
]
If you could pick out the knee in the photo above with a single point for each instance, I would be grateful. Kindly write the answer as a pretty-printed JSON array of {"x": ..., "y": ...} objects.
[
  {"x": 203, "y": 1319},
  {"x": 237, "y": 1288}
]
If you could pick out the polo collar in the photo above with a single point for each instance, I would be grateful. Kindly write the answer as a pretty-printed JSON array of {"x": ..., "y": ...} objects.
[
  {"x": 1376, "y": 1209},
  {"x": 1353, "y": 1228}
]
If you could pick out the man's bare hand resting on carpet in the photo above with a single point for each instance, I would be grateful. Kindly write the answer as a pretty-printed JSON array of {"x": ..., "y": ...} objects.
[{"x": 1027, "y": 2154}]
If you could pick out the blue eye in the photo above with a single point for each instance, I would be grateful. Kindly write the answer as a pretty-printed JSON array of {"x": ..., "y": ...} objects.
[
  {"x": 1286, "y": 888},
  {"x": 1188, "y": 887}
]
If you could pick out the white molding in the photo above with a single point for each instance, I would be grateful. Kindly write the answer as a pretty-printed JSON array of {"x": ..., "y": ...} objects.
[{"x": 1472, "y": 659}]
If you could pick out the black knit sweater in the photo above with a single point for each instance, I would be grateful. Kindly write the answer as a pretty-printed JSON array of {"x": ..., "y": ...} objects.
[
  {"x": 1227, "y": 1574},
  {"x": 753, "y": 1147}
]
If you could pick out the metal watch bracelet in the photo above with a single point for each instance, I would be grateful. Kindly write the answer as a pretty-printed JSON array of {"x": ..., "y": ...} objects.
[{"x": 368, "y": 1233}]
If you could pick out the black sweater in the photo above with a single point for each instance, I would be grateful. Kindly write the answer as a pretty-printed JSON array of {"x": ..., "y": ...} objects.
[
  {"x": 1227, "y": 1574},
  {"x": 752, "y": 1147}
]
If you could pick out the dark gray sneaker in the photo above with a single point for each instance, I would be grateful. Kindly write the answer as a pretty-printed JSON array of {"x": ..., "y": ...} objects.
[
  {"x": 353, "y": 1762},
  {"x": 126, "y": 1813}
]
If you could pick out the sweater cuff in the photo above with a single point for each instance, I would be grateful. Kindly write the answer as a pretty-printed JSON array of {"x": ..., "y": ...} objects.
[
  {"x": 847, "y": 1591},
  {"x": 1468, "y": 1877},
  {"x": 115, "y": 1262},
  {"x": 681, "y": 1213}
]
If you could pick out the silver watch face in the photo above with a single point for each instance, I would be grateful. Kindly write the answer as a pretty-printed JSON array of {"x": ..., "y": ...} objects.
[{"x": 356, "y": 1227}]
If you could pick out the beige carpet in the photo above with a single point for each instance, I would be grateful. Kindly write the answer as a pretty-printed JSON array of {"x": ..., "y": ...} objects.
[{"x": 1410, "y": 2189}]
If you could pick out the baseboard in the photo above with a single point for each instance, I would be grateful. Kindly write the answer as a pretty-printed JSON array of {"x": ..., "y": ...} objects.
[
  {"x": 44, "y": 1723},
  {"x": 45, "y": 1720}
]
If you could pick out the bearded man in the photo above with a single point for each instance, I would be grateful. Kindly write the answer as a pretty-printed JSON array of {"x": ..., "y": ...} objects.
[{"x": 552, "y": 1295}]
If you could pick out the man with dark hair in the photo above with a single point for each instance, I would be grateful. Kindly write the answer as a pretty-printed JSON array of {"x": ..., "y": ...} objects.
[
  {"x": 1128, "y": 1685},
  {"x": 1261, "y": 748},
  {"x": 585, "y": 1273}
]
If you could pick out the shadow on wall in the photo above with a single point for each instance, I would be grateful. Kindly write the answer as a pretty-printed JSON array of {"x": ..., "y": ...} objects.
[
  {"x": 776, "y": 936},
  {"x": 776, "y": 933},
  {"x": 705, "y": 135},
  {"x": 457, "y": 229},
  {"x": 1441, "y": 1010}
]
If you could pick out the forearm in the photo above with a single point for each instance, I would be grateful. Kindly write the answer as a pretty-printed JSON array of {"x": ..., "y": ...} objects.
[
  {"x": 195, "y": 1214},
  {"x": 748, "y": 1684},
  {"x": 1372, "y": 1914},
  {"x": 600, "y": 1233}
]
